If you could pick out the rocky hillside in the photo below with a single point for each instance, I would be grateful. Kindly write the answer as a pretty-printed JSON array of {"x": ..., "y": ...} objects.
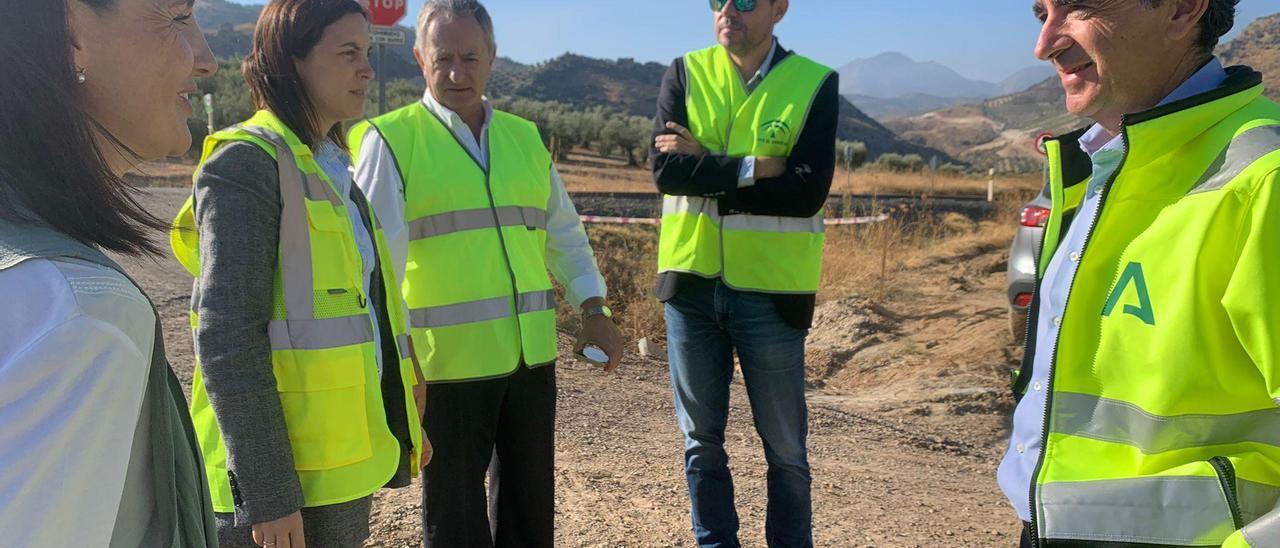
[
  {"x": 622, "y": 85},
  {"x": 1000, "y": 132},
  {"x": 1259, "y": 47},
  {"x": 997, "y": 133}
]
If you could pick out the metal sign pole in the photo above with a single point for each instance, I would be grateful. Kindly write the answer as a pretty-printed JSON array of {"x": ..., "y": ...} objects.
[
  {"x": 382, "y": 80},
  {"x": 208, "y": 111}
]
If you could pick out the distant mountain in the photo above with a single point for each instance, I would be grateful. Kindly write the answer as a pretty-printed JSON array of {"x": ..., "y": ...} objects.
[
  {"x": 884, "y": 108},
  {"x": 1259, "y": 47},
  {"x": 893, "y": 85},
  {"x": 623, "y": 84},
  {"x": 893, "y": 74},
  {"x": 1024, "y": 79},
  {"x": 1000, "y": 132},
  {"x": 632, "y": 87}
]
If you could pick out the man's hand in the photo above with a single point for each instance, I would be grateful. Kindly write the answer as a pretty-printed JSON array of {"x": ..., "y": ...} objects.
[
  {"x": 427, "y": 451},
  {"x": 768, "y": 167},
  {"x": 599, "y": 330},
  {"x": 285, "y": 532},
  {"x": 682, "y": 142}
]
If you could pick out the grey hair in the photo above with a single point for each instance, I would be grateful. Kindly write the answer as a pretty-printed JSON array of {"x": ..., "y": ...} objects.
[{"x": 450, "y": 9}]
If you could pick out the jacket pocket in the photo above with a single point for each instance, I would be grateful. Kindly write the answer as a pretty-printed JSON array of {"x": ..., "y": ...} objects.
[{"x": 325, "y": 405}]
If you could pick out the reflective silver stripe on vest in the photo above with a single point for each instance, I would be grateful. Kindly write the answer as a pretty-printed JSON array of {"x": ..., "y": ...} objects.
[
  {"x": 677, "y": 205},
  {"x": 480, "y": 311},
  {"x": 1256, "y": 499},
  {"x": 473, "y": 219},
  {"x": 1242, "y": 152},
  {"x": 781, "y": 225},
  {"x": 1156, "y": 510},
  {"x": 1264, "y": 532},
  {"x": 319, "y": 334},
  {"x": 314, "y": 187},
  {"x": 537, "y": 301},
  {"x": 406, "y": 346},
  {"x": 1088, "y": 416},
  {"x": 295, "y": 234},
  {"x": 318, "y": 190}
]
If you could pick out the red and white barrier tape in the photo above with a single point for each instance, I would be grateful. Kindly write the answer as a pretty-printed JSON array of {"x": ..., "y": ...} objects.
[
  {"x": 856, "y": 220},
  {"x": 645, "y": 221},
  {"x": 620, "y": 220}
]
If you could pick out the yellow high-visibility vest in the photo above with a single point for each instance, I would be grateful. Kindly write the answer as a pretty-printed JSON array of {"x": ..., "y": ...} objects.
[
  {"x": 476, "y": 276},
  {"x": 323, "y": 351},
  {"x": 760, "y": 253}
]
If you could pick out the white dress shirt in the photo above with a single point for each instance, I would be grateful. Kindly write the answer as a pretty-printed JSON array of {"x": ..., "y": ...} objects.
[{"x": 569, "y": 255}]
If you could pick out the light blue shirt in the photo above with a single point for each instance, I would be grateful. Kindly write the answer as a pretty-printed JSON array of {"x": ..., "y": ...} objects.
[
  {"x": 336, "y": 164},
  {"x": 1106, "y": 153},
  {"x": 747, "y": 170}
]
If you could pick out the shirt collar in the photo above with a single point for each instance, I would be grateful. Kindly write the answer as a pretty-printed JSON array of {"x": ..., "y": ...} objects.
[
  {"x": 1210, "y": 76},
  {"x": 765, "y": 67},
  {"x": 451, "y": 118}
]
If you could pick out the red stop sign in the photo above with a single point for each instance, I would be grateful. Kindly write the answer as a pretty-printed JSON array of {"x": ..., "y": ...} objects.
[{"x": 386, "y": 13}]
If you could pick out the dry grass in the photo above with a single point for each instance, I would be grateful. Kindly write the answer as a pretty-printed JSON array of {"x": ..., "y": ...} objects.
[
  {"x": 584, "y": 171},
  {"x": 873, "y": 261},
  {"x": 869, "y": 260},
  {"x": 628, "y": 259},
  {"x": 873, "y": 181}
]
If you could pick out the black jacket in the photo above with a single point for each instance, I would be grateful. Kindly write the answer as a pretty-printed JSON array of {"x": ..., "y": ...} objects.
[{"x": 801, "y": 192}]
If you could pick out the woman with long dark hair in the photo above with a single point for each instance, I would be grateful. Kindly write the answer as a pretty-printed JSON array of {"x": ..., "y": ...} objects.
[
  {"x": 309, "y": 395},
  {"x": 96, "y": 446}
]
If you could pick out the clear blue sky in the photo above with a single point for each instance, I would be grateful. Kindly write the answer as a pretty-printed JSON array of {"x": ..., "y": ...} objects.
[{"x": 983, "y": 39}]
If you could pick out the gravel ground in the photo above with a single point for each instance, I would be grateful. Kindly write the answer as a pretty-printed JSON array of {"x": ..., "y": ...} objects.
[{"x": 901, "y": 464}]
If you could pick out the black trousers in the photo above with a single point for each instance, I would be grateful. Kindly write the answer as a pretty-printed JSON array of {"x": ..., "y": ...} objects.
[{"x": 468, "y": 423}]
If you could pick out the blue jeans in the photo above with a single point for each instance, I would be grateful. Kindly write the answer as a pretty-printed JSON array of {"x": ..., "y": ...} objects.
[{"x": 704, "y": 328}]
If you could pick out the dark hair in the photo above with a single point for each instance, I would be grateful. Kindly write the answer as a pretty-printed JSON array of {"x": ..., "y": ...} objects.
[
  {"x": 286, "y": 31},
  {"x": 1217, "y": 21},
  {"x": 52, "y": 168}
]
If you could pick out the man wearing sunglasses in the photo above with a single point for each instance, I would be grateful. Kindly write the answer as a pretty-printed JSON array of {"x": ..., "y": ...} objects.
[{"x": 744, "y": 152}]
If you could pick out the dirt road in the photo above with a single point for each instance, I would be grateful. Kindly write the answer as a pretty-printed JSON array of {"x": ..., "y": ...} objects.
[{"x": 906, "y": 424}]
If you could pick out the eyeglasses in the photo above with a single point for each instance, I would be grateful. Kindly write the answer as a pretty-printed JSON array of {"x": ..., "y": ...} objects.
[{"x": 743, "y": 6}]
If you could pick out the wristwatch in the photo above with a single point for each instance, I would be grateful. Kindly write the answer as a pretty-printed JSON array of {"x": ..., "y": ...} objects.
[{"x": 597, "y": 311}]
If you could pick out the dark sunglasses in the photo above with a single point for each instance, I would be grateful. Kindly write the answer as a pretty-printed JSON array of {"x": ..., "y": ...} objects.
[{"x": 743, "y": 6}]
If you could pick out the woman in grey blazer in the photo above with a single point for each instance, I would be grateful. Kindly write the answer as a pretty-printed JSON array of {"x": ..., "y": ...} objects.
[{"x": 307, "y": 72}]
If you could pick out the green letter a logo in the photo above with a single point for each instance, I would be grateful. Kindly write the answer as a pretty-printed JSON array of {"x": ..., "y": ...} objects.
[{"x": 1132, "y": 274}]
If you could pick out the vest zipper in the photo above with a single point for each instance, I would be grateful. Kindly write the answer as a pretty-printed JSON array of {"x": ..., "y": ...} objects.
[
  {"x": 493, "y": 209},
  {"x": 1227, "y": 477},
  {"x": 1053, "y": 357},
  {"x": 506, "y": 256}
]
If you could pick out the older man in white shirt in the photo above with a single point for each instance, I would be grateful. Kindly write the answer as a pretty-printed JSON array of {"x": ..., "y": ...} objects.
[{"x": 475, "y": 215}]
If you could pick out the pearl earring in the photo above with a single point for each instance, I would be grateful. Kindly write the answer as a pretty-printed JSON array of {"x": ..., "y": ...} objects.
[{"x": 80, "y": 77}]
